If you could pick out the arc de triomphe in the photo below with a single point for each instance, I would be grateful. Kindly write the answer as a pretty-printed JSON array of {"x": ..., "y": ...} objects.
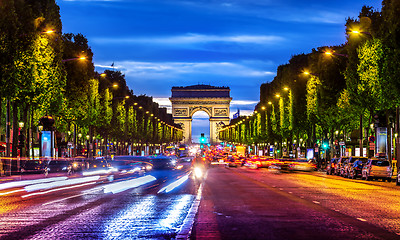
[{"x": 186, "y": 101}]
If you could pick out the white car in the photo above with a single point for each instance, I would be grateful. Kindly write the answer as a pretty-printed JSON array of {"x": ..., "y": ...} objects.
[{"x": 377, "y": 168}]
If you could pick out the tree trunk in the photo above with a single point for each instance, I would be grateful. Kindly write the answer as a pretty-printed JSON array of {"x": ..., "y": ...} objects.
[{"x": 15, "y": 130}]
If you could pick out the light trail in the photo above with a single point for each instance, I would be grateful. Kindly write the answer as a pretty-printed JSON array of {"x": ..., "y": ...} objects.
[
  {"x": 125, "y": 185},
  {"x": 174, "y": 185},
  {"x": 23, "y": 183},
  {"x": 43, "y": 186},
  {"x": 57, "y": 189}
]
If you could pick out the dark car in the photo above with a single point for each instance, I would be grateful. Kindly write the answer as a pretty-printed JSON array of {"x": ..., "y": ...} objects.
[
  {"x": 130, "y": 166},
  {"x": 58, "y": 166},
  {"x": 163, "y": 162},
  {"x": 33, "y": 166},
  {"x": 355, "y": 166}
]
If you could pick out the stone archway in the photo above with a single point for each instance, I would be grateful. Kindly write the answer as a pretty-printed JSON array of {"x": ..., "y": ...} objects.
[{"x": 215, "y": 101}]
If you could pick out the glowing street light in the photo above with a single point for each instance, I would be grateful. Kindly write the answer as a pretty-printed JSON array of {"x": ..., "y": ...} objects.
[{"x": 77, "y": 58}]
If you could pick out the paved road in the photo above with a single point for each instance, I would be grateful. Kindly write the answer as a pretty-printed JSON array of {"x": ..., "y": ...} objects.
[
  {"x": 127, "y": 206},
  {"x": 240, "y": 203}
]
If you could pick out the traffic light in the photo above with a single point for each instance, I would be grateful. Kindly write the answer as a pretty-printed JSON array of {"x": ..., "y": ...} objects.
[
  {"x": 325, "y": 145},
  {"x": 203, "y": 139}
]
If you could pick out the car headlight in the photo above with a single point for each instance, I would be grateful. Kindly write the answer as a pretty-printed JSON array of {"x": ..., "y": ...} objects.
[{"x": 198, "y": 172}]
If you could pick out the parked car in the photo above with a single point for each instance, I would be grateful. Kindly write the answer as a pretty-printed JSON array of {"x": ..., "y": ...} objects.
[
  {"x": 377, "y": 168},
  {"x": 330, "y": 169},
  {"x": 340, "y": 166},
  {"x": 355, "y": 166},
  {"x": 58, "y": 166},
  {"x": 33, "y": 166}
]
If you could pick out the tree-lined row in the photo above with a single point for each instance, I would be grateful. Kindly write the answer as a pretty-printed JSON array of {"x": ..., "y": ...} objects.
[
  {"x": 44, "y": 72},
  {"x": 332, "y": 92}
]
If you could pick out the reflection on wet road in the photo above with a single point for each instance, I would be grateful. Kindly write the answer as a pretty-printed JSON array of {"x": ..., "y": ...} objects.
[{"x": 149, "y": 206}]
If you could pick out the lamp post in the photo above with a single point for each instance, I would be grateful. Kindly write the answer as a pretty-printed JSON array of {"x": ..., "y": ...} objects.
[{"x": 40, "y": 129}]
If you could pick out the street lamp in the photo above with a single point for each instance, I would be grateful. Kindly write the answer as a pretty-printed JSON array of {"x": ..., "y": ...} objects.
[{"x": 77, "y": 58}]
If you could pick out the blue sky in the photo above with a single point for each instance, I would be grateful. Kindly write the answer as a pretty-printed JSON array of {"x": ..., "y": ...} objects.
[{"x": 159, "y": 44}]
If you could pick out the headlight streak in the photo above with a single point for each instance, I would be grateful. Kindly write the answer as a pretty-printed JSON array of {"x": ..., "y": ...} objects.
[
  {"x": 99, "y": 172},
  {"x": 125, "y": 185},
  {"x": 42, "y": 186},
  {"x": 84, "y": 193},
  {"x": 176, "y": 211},
  {"x": 29, "y": 182},
  {"x": 57, "y": 189},
  {"x": 174, "y": 185},
  {"x": 11, "y": 192}
]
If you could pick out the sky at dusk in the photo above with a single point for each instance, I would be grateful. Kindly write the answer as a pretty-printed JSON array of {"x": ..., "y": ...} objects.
[{"x": 159, "y": 44}]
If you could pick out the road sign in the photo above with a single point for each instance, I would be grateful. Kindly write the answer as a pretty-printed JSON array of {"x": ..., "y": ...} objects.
[
  {"x": 371, "y": 139},
  {"x": 371, "y": 146}
]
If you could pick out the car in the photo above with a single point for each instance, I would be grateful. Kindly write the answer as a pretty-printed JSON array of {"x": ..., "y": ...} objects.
[
  {"x": 330, "y": 168},
  {"x": 33, "y": 166},
  {"x": 377, "y": 168},
  {"x": 54, "y": 166},
  {"x": 303, "y": 164},
  {"x": 345, "y": 167},
  {"x": 78, "y": 164},
  {"x": 231, "y": 162},
  {"x": 286, "y": 164},
  {"x": 163, "y": 162},
  {"x": 355, "y": 166},
  {"x": 339, "y": 168}
]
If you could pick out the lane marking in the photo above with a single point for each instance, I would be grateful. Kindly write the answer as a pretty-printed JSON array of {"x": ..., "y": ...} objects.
[{"x": 316, "y": 202}]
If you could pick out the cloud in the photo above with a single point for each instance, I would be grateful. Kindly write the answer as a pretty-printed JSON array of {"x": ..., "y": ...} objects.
[
  {"x": 192, "y": 38},
  {"x": 246, "y": 107},
  {"x": 163, "y": 70}
]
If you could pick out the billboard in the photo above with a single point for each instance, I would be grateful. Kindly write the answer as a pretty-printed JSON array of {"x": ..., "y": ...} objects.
[{"x": 46, "y": 143}]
